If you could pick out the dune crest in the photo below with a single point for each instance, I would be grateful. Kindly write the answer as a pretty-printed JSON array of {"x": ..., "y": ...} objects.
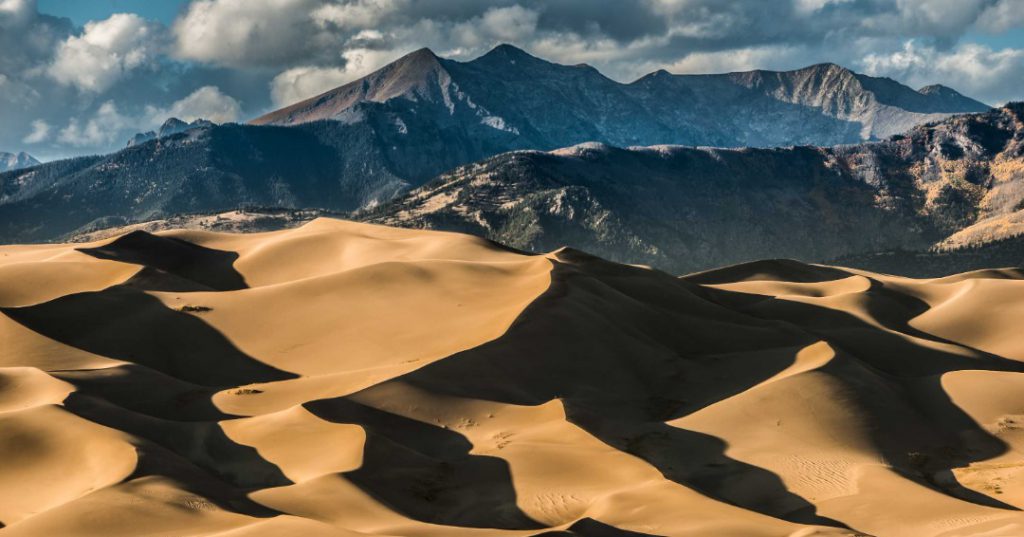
[{"x": 344, "y": 379}]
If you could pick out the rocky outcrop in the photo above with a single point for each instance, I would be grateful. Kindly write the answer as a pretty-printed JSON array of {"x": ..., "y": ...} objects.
[{"x": 171, "y": 126}]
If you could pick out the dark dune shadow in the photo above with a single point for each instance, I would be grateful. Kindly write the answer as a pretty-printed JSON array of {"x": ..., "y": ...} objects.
[
  {"x": 698, "y": 461},
  {"x": 156, "y": 460},
  {"x": 127, "y": 324},
  {"x": 625, "y": 349},
  {"x": 892, "y": 310},
  {"x": 203, "y": 444},
  {"x": 147, "y": 391},
  {"x": 175, "y": 363},
  {"x": 568, "y": 344},
  {"x": 776, "y": 269},
  {"x": 197, "y": 457},
  {"x": 426, "y": 472},
  {"x": 210, "y": 269},
  {"x": 588, "y": 527},
  {"x": 153, "y": 279},
  {"x": 917, "y": 428},
  {"x": 563, "y": 347}
]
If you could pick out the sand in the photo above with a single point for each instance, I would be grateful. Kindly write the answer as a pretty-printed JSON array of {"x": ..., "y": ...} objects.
[{"x": 345, "y": 379}]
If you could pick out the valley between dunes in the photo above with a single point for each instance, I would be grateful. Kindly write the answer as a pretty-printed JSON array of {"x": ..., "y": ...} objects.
[{"x": 345, "y": 379}]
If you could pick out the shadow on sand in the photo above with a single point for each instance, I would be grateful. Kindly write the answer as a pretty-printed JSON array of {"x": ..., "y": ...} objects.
[{"x": 625, "y": 349}]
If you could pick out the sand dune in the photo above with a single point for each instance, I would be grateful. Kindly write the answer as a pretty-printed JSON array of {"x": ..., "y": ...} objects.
[{"x": 344, "y": 379}]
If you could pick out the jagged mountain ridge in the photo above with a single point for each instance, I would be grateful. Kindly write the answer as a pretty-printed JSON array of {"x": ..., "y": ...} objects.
[
  {"x": 546, "y": 105},
  {"x": 16, "y": 161},
  {"x": 948, "y": 185},
  {"x": 171, "y": 126}
]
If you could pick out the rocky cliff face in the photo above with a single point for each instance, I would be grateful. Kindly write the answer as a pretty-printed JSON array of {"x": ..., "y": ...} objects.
[
  {"x": 171, "y": 126},
  {"x": 947, "y": 185}
]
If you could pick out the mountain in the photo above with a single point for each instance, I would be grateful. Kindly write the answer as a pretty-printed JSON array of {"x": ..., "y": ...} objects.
[
  {"x": 344, "y": 379},
  {"x": 945, "y": 198},
  {"x": 171, "y": 126},
  {"x": 364, "y": 143},
  {"x": 823, "y": 104},
  {"x": 946, "y": 185},
  {"x": 543, "y": 105},
  {"x": 209, "y": 168},
  {"x": 12, "y": 161}
]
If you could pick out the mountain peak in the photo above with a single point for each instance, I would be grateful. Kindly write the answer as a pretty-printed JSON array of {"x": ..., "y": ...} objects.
[
  {"x": 951, "y": 97},
  {"x": 508, "y": 49},
  {"x": 585, "y": 149},
  {"x": 940, "y": 90},
  {"x": 12, "y": 161},
  {"x": 826, "y": 67},
  {"x": 172, "y": 124},
  {"x": 660, "y": 74},
  {"x": 423, "y": 55},
  {"x": 506, "y": 52},
  {"x": 410, "y": 74},
  {"x": 413, "y": 65}
]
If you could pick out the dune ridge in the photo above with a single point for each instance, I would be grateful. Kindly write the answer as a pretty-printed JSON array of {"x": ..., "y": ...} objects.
[{"x": 346, "y": 379}]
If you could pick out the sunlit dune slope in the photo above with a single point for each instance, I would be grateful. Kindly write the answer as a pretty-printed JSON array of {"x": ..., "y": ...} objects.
[{"x": 344, "y": 379}]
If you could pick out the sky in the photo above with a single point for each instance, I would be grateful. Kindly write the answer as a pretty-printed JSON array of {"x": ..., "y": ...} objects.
[{"x": 82, "y": 76}]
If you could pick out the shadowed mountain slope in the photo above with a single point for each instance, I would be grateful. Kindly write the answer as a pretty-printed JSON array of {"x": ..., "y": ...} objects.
[
  {"x": 947, "y": 185},
  {"x": 350, "y": 379}
]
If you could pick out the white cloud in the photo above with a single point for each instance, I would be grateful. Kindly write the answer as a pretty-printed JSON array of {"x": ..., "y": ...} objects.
[
  {"x": 104, "y": 128},
  {"x": 245, "y": 33},
  {"x": 109, "y": 126},
  {"x": 315, "y": 45},
  {"x": 746, "y": 59},
  {"x": 360, "y": 62},
  {"x": 1002, "y": 16},
  {"x": 301, "y": 83},
  {"x": 807, "y": 7},
  {"x": 107, "y": 49},
  {"x": 40, "y": 132},
  {"x": 936, "y": 17},
  {"x": 505, "y": 24},
  {"x": 993, "y": 76},
  {"x": 207, "y": 103},
  {"x": 357, "y": 15},
  {"x": 509, "y": 23},
  {"x": 16, "y": 12}
]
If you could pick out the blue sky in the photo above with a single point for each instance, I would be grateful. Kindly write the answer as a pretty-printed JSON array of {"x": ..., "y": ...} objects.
[
  {"x": 82, "y": 76},
  {"x": 83, "y": 11},
  {"x": 1010, "y": 39}
]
